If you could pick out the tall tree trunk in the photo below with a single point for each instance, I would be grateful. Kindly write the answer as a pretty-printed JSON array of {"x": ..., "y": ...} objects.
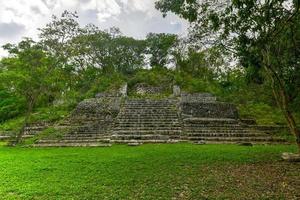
[
  {"x": 290, "y": 118},
  {"x": 282, "y": 99}
]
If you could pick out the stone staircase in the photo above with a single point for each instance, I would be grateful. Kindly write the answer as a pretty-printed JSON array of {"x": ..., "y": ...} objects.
[
  {"x": 211, "y": 130},
  {"x": 147, "y": 121},
  {"x": 89, "y": 125},
  {"x": 33, "y": 130},
  {"x": 87, "y": 135}
]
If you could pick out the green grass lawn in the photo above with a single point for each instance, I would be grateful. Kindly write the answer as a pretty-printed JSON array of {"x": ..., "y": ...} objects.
[{"x": 175, "y": 171}]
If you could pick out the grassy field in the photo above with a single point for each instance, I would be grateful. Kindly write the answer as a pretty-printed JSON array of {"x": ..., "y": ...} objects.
[{"x": 177, "y": 171}]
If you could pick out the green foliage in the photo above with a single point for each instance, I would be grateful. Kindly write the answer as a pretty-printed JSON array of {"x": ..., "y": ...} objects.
[
  {"x": 156, "y": 76},
  {"x": 28, "y": 73},
  {"x": 192, "y": 84},
  {"x": 105, "y": 83},
  {"x": 49, "y": 133},
  {"x": 263, "y": 113},
  {"x": 12, "y": 125},
  {"x": 10, "y": 106},
  {"x": 50, "y": 114},
  {"x": 76, "y": 48},
  {"x": 159, "y": 46}
]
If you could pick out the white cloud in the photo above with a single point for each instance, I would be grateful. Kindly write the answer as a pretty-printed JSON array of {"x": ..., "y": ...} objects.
[
  {"x": 107, "y": 9},
  {"x": 134, "y": 17}
]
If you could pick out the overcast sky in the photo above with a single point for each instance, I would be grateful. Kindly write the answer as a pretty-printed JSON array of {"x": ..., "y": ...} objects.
[{"x": 136, "y": 18}]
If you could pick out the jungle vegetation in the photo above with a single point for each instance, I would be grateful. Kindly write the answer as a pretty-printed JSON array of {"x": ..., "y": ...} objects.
[{"x": 244, "y": 52}]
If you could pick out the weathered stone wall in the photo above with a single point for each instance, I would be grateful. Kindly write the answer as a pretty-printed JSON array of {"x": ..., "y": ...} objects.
[
  {"x": 97, "y": 113},
  {"x": 198, "y": 97},
  {"x": 143, "y": 89},
  {"x": 100, "y": 105},
  {"x": 209, "y": 110}
]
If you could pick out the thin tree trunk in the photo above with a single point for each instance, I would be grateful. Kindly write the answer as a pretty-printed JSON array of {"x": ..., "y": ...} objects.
[
  {"x": 290, "y": 118},
  {"x": 25, "y": 123},
  {"x": 282, "y": 100}
]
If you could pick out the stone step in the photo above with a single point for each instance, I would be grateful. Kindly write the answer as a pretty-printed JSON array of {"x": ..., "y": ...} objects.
[
  {"x": 155, "y": 107},
  {"x": 211, "y": 126},
  {"x": 126, "y": 118},
  {"x": 90, "y": 129},
  {"x": 89, "y": 116},
  {"x": 218, "y": 131},
  {"x": 141, "y": 106},
  {"x": 28, "y": 135},
  {"x": 143, "y": 119},
  {"x": 216, "y": 128},
  {"x": 85, "y": 136},
  {"x": 146, "y": 119},
  {"x": 93, "y": 138},
  {"x": 147, "y": 132},
  {"x": 85, "y": 139},
  {"x": 73, "y": 141},
  {"x": 31, "y": 132},
  {"x": 167, "y": 105},
  {"x": 149, "y": 108},
  {"x": 209, "y": 121},
  {"x": 148, "y": 124},
  {"x": 225, "y": 135},
  {"x": 145, "y": 141},
  {"x": 4, "y": 137},
  {"x": 146, "y": 110},
  {"x": 146, "y": 128},
  {"x": 35, "y": 128},
  {"x": 150, "y": 101},
  {"x": 94, "y": 123},
  {"x": 87, "y": 122},
  {"x": 237, "y": 139},
  {"x": 133, "y": 107},
  {"x": 87, "y": 132},
  {"x": 144, "y": 137},
  {"x": 154, "y": 121},
  {"x": 240, "y": 142},
  {"x": 73, "y": 145},
  {"x": 149, "y": 115}
]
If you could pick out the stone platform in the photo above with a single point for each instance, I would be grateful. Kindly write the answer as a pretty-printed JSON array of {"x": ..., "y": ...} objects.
[{"x": 197, "y": 118}]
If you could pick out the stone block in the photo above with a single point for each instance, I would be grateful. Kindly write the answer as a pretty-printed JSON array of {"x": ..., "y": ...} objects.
[
  {"x": 123, "y": 90},
  {"x": 201, "y": 142},
  {"x": 176, "y": 91},
  {"x": 209, "y": 110},
  {"x": 198, "y": 97},
  {"x": 291, "y": 157},
  {"x": 133, "y": 144},
  {"x": 143, "y": 89}
]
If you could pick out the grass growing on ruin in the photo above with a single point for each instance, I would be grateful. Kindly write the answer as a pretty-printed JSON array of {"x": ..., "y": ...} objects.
[{"x": 178, "y": 171}]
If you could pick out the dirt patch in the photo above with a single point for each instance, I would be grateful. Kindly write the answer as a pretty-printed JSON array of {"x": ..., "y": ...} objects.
[{"x": 276, "y": 180}]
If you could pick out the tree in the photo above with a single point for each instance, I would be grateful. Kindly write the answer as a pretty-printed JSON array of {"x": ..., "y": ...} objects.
[
  {"x": 159, "y": 46},
  {"x": 27, "y": 73},
  {"x": 77, "y": 48},
  {"x": 260, "y": 34}
]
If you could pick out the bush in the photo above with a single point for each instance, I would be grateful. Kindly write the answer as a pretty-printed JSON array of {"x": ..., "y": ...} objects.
[
  {"x": 10, "y": 106},
  {"x": 263, "y": 113}
]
